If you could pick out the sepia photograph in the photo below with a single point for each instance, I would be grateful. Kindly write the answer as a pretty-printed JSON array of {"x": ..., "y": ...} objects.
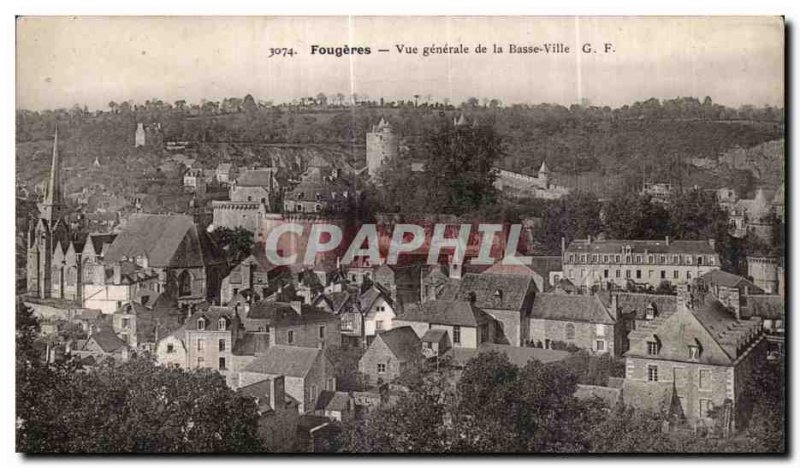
[{"x": 400, "y": 235}]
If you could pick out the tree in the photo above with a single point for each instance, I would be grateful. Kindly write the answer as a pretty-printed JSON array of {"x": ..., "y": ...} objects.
[
  {"x": 139, "y": 407},
  {"x": 237, "y": 242},
  {"x": 249, "y": 104},
  {"x": 629, "y": 215}
]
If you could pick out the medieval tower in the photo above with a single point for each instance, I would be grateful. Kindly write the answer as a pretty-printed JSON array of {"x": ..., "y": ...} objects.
[
  {"x": 382, "y": 144},
  {"x": 139, "y": 137},
  {"x": 45, "y": 235}
]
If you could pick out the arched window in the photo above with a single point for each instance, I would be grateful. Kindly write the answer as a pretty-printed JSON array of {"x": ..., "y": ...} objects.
[
  {"x": 185, "y": 284},
  {"x": 569, "y": 332}
]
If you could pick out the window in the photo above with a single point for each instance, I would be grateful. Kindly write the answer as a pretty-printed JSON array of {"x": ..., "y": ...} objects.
[
  {"x": 201, "y": 324},
  {"x": 638, "y": 274},
  {"x": 617, "y": 273},
  {"x": 223, "y": 324},
  {"x": 379, "y": 324},
  {"x": 222, "y": 345},
  {"x": 688, "y": 275},
  {"x": 663, "y": 274},
  {"x": 569, "y": 332},
  {"x": 675, "y": 259},
  {"x": 704, "y": 379},
  {"x": 616, "y": 258},
  {"x": 322, "y": 332},
  {"x": 262, "y": 329},
  {"x": 767, "y": 324},
  {"x": 222, "y": 364},
  {"x": 638, "y": 259},
  {"x": 699, "y": 260},
  {"x": 652, "y": 348},
  {"x": 126, "y": 322},
  {"x": 605, "y": 273},
  {"x": 675, "y": 274},
  {"x": 201, "y": 344},
  {"x": 594, "y": 258},
  {"x": 600, "y": 330},
  {"x": 688, "y": 259},
  {"x": 649, "y": 259},
  {"x": 650, "y": 312},
  {"x": 381, "y": 368},
  {"x": 694, "y": 352},
  {"x": 185, "y": 284},
  {"x": 705, "y": 406},
  {"x": 200, "y": 362},
  {"x": 170, "y": 348},
  {"x": 600, "y": 345},
  {"x": 456, "y": 334},
  {"x": 652, "y": 373},
  {"x": 628, "y": 274},
  {"x": 290, "y": 336},
  {"x": 710, "y": 260},
  {"x": 663, "y": 260},
  {"x": 571, "y": 258},
  {"x": 605, "y": 258}
]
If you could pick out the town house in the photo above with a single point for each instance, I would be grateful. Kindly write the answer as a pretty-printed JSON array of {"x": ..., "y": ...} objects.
[
  {"x": 390, "y": 354},
  {"x": 704, "y": 352},
  {"x": 466, "y": 324}
]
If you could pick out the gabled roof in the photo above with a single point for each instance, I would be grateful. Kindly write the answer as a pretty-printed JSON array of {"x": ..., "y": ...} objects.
[
  {"x": 166, "y": 241},
  {"x": 333, "y": 401},
  {"x": 403, "y": 342},
  {"x": 504, "y": 292},
  {"x": 461, "y": 313},
  {"x": 434, "y": 335},
  {"x": 211, "y": 316},
  {"x": 283, "y": 314},
  {"x": 511, "y": 267},
  {"x": 291, "y": 361},
  {"x": 108, "y": 341},
  {"x": 572, "y": 307},
  {"x": 709, "y": 325},
  {"x": 374, "y": 292},
  {"x": 251, "y": 343},
  {"x": 635, "y": 302},
  {"x": 729, "y": 280}
]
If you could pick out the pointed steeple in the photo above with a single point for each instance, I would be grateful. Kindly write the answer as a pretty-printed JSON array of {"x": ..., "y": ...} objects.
[
  {"x": 461, "y": 120},
  {"x": 50, "y": 209},
  {"x": 543, "y": 169}
]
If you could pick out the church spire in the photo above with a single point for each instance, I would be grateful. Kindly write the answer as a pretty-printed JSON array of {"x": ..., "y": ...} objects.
[{"x": 50, "y": 209}]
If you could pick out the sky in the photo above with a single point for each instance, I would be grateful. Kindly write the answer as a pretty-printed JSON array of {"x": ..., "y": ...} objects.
[{"x": 62, "y": 61}]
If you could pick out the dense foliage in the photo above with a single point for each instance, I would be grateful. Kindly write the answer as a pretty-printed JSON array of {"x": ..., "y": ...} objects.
[{"x": 128, "y": 407}]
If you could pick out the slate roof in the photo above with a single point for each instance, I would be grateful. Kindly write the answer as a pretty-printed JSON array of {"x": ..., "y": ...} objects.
[
  {"x": 368, "y": 297},
  {"x": 108, "y": 341},
  {"x": 514, "y": 267},
  {"x": 256, "y": 178},
  {"x": 770, "y": 307},
  {"x": 708, "y": 325},
  {"x": 403, "y": 342},
  {"x": 333, "y": 401},
  {"x": 438, "y": 311},
  {"x": 636, "y": 302},
  {"x": 291, "y": 361},
  {"x": 282, "y": 314},
  {"x": 212, "y": 316},
  {"x": 639, "y": 246},
  {"x": 519, "y": 356},
  {"x": 166, "y": 240},
  {"x": 434, "y": 335},
  {"x": 485, "y": 286},
  {"x": 729, "y": 280},
  {"x": 251, "y": 343},
  {"x": 572, "y": 308}
]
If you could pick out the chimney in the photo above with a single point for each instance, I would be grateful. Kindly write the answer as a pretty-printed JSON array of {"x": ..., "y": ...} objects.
[
  {"x": 684, "y": 296},
  {"x": 271, "y": 332},
  {"x": 472, "y": 297},
  {"x": 117, "y": 275},
  {"x": 713, "y": 243},
  {"x": 589, "y": 239},
  {"x": 614, "y": 304},
  {"x": 563, "y": 245},
  {"x": 667, "y": 239},
  {"x": 276, "y": 392},
  {"x": 247, "y": 275},
  {"x": 297, "y": 306}
]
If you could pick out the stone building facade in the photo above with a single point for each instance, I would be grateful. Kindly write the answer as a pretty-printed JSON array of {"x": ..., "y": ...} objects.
[{"x": 383, "y": 144}]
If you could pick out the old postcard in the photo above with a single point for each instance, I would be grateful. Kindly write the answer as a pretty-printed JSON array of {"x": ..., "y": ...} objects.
[{"x": 400, "y": 235}]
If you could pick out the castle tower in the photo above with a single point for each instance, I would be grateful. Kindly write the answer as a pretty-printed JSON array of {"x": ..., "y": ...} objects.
[
  {"x": 764, "y": 272},
  {"x": 139, "y": 138},
  {"x": 43, "y": 238},
  {"x": 382, "y": 144},
  {"x": 544, "y": 175}
]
